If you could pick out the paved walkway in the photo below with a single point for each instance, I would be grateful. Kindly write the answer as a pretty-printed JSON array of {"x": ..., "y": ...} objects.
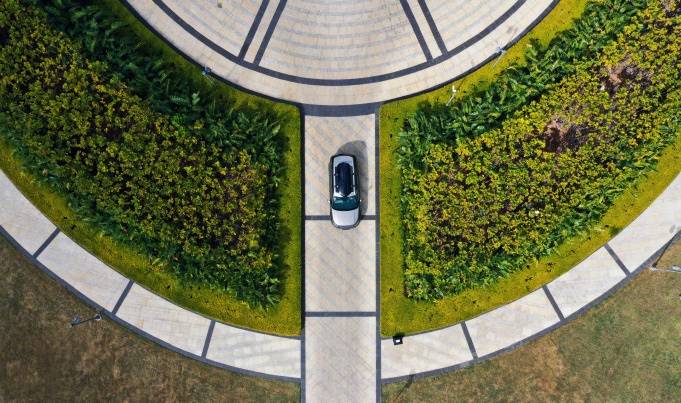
[
  {"x": 340, "y": 52},
  {"x": 341, "y": 334}
]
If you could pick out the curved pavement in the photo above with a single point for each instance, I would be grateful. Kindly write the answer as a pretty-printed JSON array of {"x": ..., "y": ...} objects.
[
  {"x": 340, "y": 52},
  {"x": 137, "y": 308},
  {"x": 509, "y": 326}
]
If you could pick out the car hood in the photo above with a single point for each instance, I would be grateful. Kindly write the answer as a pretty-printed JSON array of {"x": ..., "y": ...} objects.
[{"x": 345, "y": 219}]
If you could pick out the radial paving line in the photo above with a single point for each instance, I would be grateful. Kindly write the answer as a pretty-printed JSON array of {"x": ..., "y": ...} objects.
[{"x": 341, "y": 336}]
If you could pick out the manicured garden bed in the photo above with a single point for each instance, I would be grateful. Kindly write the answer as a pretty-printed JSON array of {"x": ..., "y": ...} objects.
[
  {"x": 482, "y": 203},
  {"x": 185, "y": 185}
]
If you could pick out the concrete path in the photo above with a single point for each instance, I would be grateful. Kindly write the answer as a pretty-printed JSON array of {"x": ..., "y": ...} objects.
[
  {"x": 341, "y": 332},
  {"x": 136, "y": 308},
  {"x": 318, "y": 52}
]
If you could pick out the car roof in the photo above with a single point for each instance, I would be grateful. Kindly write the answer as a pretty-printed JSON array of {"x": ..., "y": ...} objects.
[
  {"x": 343, "y": 179},
  {"x": 343, "y": 168}
]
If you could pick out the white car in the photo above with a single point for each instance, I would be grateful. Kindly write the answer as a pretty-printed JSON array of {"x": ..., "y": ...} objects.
[{"x": 344, "y": 189}]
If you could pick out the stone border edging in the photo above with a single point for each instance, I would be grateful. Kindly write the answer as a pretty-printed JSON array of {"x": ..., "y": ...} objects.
[
  {"x": 673, "y": 189},
  {"x": 113, "y": 313}
]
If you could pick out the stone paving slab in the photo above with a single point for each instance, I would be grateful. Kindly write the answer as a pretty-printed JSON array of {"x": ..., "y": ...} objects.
[
  {"x": 255, "y": 351},
  {"x": 471, "y": 18},
  {"x": 511, "y": 323},
  {"x": 422, "y": 24},
  {"x": 84, "y": 272},
  {"x": 25, "y": 223},
  {"x": 340, "y": 267},
  {"x": 651, "y": 230},
  {"x": 340, "y": 359},
  {"x": 341, "y": 40},
  {"x": 327, "y": 136},
  {"x": 261, "y": 31},
  {"x": 164, "y": 320},
  {"x": 424, "y": 352},
  {"x": 585, "y": 282},
  {"x": 227, "y": 25}
]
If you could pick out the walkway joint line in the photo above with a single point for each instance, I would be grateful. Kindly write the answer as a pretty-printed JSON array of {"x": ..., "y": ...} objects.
[
  {"x": 270, "y": 31},
  {"x": 469, "y": 340},
  {"x": 617, "y": 259},
  {"x": 553, "y": 303},
  {"x": 433, "y": 27},
  {"x": 417, "y": 30},
  {"x": 340, "y": 314},
  {"x": 254, "y": 27},
  {"x": 122, "y": 297},
  {"x": 46, "y": 243},
  {"x": 317, "y": 218},
  {"x": 209, "y": 336}
]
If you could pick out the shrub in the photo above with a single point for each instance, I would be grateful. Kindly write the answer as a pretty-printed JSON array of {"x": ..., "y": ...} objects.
[
  {"x": 182, "y": 184},
  {"x": 483, "y": 206}
]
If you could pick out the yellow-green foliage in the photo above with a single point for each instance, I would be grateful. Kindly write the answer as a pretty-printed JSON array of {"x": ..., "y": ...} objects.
[
  {"x": 189, "y": 188},
  {"x": 479, "y": 206}
]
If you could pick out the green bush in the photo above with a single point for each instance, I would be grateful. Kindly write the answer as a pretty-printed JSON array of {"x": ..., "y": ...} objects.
[
  {"x": 483, "y": 206},
  {"x": 188, "y": 184}
]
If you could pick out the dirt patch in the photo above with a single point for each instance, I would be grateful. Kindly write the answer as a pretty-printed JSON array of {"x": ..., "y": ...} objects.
[
  {"x": 672, "y": 8},
  {"x": 623, "y": 73},
  {"x": 560, "y": 135}
]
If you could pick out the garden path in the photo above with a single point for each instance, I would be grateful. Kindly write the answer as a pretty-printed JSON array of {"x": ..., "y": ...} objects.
[{"x": 341, "y": 337}]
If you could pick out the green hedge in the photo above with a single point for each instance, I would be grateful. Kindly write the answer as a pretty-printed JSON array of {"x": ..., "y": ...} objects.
[
  {"x": 141, "y": 154},
  {"x": 479, "y": 206}
]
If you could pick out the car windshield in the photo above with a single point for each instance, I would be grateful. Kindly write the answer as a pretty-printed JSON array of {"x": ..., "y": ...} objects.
[{"x": 345, "y": 203}]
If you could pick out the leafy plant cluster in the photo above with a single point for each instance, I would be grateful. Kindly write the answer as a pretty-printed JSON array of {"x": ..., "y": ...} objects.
[
  {"x": 187, "y": 182},
  {"x": 485, "y": 205},
  {"x": 486, "y": 108}
]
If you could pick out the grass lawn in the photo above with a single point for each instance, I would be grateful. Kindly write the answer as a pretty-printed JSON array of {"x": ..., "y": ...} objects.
[
  {"x": 282, "y": 319},
  {"x": 43, "y": 359},
  {"x": 400, "y": 314},
  {"x": 626, "y": 349}
]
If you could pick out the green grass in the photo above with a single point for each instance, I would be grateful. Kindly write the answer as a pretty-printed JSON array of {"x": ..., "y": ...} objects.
[
  {"x": 624, "y": 350},
  {"x": 400, "y": 314},
  {"x": 285, "y": 317},
  {"x": 44, "y": 360}
]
